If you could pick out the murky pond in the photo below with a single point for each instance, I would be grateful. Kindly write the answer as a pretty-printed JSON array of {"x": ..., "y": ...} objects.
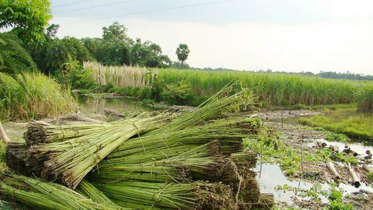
[{"x": 97, "y": 105}]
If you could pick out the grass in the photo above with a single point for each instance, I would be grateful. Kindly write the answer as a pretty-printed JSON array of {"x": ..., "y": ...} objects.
[
  {"x": 365, "y": 101},
  {"x": 43, "y": 97},
  {"x": 345, "y": 121}
]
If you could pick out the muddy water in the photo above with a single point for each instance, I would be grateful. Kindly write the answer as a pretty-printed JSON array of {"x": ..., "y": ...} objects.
[{"x": 97, "y": 105}]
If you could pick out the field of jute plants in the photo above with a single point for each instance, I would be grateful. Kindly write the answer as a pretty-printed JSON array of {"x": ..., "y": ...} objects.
[{"x": 274, "y": 89}]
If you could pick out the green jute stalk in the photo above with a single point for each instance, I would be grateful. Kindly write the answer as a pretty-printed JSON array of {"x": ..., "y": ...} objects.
[
  {"x": 154, "y": 170},
  {"x": 39, "y": 132},
  {"x": 87, "y": 189},
  {"x": 71, "y": 160},
  {"x": 211, "y": 108},
  {"x": 197, "y": 195},
  {"x": 228, "y": 131},
  {"x": 46, "y": 195}
]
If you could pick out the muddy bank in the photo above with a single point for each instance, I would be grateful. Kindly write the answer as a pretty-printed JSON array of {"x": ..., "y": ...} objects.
[{"x": 311, "y": 141}]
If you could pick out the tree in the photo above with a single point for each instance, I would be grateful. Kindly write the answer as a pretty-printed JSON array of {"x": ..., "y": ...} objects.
[
  {"x": 148, "y": 54},
  {"x": 182, "y": 53},
  {"x": 116, "y": 32},
  {"x": 28, "y": 18},
  {"x": 52, "y": 31},
  {"x": 13, "y": 57}
]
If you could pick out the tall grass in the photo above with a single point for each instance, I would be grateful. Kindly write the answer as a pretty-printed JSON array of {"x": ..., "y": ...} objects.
[
  {"x": 43, "y": 97},
  {"x": 366, "y": 99},
  {"x": 272, "y": 89},
  {"x": 121, "y": 76}
]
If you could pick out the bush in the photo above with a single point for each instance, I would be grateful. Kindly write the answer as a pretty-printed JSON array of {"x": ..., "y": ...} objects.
[{"x": 81, "y": 78}]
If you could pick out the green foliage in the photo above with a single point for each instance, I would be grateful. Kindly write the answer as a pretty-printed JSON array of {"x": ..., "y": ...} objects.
[
  {"x": 81, "y": 78},
  {"x": 176, "y": 93},
  {"x": 182, "y": 53},
  {"x": 28, "y": 18},
  {"x": 338, "y": 156},
  {"x": 272, "y": 149},
  {"x": 116, "y": 32},
  {"x": 148, "y": 54},
  {"x": 53, "y": 55},
  {"x": 108, "y": 52},
  {"x": 56, "y": 54},
  {"x": 14, "y": 59},
  {"x": 52, "y": 31},
  {"x": 336, "y": 200},
  {"x": 44, "y": 98},
  {"x": 336, "y": 137}
]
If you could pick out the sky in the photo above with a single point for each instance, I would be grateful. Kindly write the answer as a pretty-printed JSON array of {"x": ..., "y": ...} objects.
[{"x": 281, "y": 35}]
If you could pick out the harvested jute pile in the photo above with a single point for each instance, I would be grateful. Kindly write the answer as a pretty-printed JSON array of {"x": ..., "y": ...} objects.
[{"x": 192, "y": 160}]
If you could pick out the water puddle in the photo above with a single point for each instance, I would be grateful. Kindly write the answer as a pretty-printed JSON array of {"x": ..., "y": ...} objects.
[{"x": 270, "y": 177}]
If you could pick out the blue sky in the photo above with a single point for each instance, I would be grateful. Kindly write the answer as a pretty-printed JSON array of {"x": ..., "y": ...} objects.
[{"x": 282, "y": 35}]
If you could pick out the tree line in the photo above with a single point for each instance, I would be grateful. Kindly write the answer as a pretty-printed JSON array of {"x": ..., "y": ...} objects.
[
  {"x": 114, "y": 48},
  {"x": 33, "y": 44}
]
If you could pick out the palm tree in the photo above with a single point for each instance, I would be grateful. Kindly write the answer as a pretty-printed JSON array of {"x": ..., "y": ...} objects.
[{"x": 14, "y": 59}]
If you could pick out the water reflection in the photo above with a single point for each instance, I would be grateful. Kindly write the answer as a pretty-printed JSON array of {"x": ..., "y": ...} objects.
[{"x": 97, "y": 105}]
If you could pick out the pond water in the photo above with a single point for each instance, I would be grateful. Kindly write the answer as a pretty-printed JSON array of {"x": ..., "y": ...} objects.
[{"x": 97, "y": 105}]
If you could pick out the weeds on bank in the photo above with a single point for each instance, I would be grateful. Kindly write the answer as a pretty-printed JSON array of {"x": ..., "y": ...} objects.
[{"x": 349, "y": 122}]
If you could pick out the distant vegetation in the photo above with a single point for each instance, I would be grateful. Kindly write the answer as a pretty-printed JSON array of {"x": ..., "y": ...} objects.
[
  {"x": 272, "y": 89},
  {"x": 193, "y": 86},
  {"x": 327, "y": 75}
]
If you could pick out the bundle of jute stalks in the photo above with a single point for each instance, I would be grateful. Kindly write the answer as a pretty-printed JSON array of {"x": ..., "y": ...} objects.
[
  {"x": 47, "y": 195},
  {"x": 192, "y": 160}
]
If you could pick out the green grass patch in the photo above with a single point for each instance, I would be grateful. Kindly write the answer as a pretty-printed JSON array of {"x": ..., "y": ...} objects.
[{"x": 345, "y": 121}]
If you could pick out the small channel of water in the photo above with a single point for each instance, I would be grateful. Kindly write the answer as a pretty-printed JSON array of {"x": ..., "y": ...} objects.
[{"x": 97, "y": 105}]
